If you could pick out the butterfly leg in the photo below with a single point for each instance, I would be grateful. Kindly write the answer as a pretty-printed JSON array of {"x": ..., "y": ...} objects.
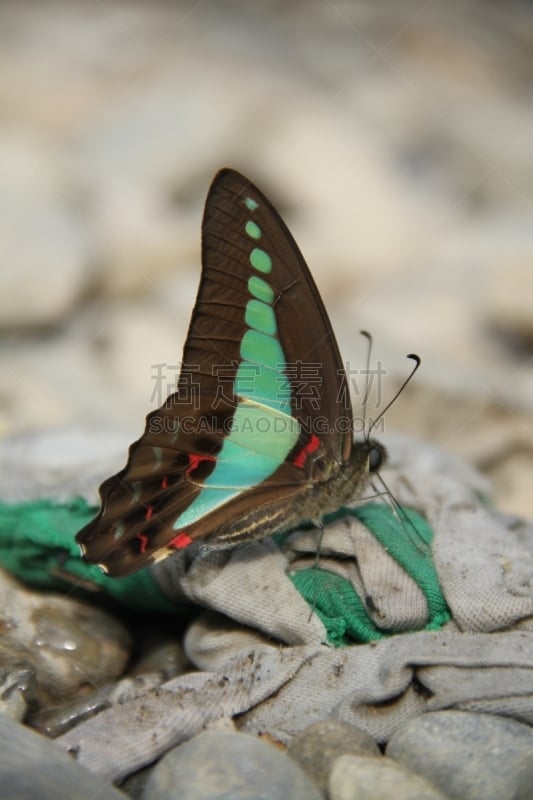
[{"x": 320, "y": 527}]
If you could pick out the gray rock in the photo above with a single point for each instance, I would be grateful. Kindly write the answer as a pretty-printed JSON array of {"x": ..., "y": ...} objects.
[
  {"x": 33, "y": 768},
  {"x": 160, "y": 653},
  {"x": 43, "y": 249},
  {"x": 59, "y": 464},
  {"x": 55, "y": 721},
  {"x": 368, "y": 778},
  {"x": 525, "y": 789},
  {"x": 318, "y": 746},
  {"x": 17, "y": 689},
  {"x": 479, "y": 756},
  {"x": 509, "y": 289},
  {"x": 68, "y": 644},
  {"x": 134, "y": 784},
  {"x": 223, "y": 765},
  {"x": 133, "y": 238}
]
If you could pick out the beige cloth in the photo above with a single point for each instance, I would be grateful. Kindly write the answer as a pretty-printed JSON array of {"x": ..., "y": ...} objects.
[{"x": 259, "y": 654}]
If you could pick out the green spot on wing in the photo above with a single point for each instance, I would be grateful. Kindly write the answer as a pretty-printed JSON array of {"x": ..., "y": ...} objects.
[
  {"x": 260, "y": 289},
  {"x": 263, "y": 431},
  {"x": 250, "y": 204},
  {"x": 260, "y": 260},
  {"x": 252, "y": 229},
  {"x": 208, "y": 500},
  {"x": 261, "y": 349},
  {"x": 240, "y": 468},
  {"x": 261, "y": 317},
  {"x": 263, "y": 385}
]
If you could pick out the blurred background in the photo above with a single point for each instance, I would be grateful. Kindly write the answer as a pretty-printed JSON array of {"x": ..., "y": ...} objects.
[{"x": 394, "y": 137}]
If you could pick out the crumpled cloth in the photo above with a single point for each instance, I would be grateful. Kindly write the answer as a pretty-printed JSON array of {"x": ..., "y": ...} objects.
[
  {"x": 258, "y": 645},
  {"x": 279, "y": 691}
]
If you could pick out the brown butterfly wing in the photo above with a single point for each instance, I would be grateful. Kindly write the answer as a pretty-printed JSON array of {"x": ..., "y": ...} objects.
[{"x": 169, "y": 465}]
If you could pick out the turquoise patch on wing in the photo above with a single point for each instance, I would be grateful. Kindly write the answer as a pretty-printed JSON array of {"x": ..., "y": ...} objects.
[
  {"x": 250, "y": 204},
  {"x": 258, "y": 443},
  {"x": 260, "y": 260},
  {"x": 260, "y": 289},
  {"x": 208, "y": 500},
  {"x": 263, "y": 429},
  {"x": 252, "y": 229},
  {"x": 269, "y": 387},
  {"x": 259, "y": 348},
  {"x": 260, "y": 316}
]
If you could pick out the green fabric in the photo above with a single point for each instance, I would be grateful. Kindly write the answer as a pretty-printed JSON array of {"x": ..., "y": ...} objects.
[
  {"x": 37, "y": 544},
  {"x": 335, "y": 600}
]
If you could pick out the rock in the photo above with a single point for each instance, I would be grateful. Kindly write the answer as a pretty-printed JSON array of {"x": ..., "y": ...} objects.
[
  {"x": 346, "y": 158},
  {"x": 69, "y": 645},
  {"x": 508, "y": 298},
  {"x": 479, "y": 756},
  {"x": 160, "y": 653},
  {"x": 492, "y": 433},
  {"x": 222, "y": 765},
  {"x": 59, "y": 464},
  {"x": 42, "y": 245},
  {"x": 137, "y": 241},
  {"x": 33, "y": 768},
  {"x": 316, "y": 747},
  {"x": 55, "y": 721},
  {"x": 367, "y": 778},
  {"x": 511, "y": 472},
  {"x": 140, "y": 347},
  {"x": 151, "y": 139},
  {"x": 134, "y": 784},
  {"x": 17, "y": 689}
]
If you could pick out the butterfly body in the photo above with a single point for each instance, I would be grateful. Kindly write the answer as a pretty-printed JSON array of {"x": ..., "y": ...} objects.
[{"x": 258, "y": 436}]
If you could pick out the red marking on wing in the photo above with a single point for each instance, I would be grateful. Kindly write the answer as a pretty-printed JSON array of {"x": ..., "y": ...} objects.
[
  {"x": 195, "y": 460},
  {"x": 312, "y": 445},
  {"x": 164, "y": 483},
  {"x": 149, "y": 513},
  {"x": 180, "y": 541},
  {"x": 144, "y": 542}
]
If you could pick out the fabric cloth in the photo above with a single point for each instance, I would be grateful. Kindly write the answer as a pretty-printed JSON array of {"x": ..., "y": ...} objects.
[
  {"x": 264, "y": 652},
  {"x": 37, "y": 544}
]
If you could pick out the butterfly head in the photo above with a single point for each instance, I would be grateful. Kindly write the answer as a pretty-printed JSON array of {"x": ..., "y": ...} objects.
[{"x": 366, "y": 460}]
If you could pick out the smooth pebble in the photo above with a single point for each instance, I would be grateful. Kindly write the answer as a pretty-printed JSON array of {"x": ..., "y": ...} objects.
[
  {"x": 43, "y": 247},
  {"x": 68, "y": 644},
  {"x": 318, "y": 746},
  {"x": 222, "y": 765},
  {"x": 368, "y": 778},
  {"x": 467, "y": 755},
  {"x": 17, "y": 690},
  {"x": 33, "y": 768}
]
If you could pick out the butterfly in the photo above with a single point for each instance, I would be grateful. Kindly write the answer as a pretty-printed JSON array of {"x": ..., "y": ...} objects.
[{"x": 258, "y": 436}]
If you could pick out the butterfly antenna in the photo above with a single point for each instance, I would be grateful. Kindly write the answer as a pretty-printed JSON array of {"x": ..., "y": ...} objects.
[
  {"x": 368, "y": 337},
  {"x": 396, "y": 507},
  {"x": 417, "y": 361}
]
